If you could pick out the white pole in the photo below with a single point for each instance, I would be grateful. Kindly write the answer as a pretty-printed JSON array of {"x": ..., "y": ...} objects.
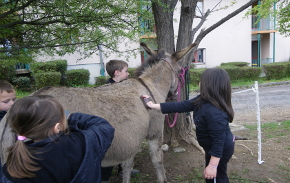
[{"x": 258, "y": 123}]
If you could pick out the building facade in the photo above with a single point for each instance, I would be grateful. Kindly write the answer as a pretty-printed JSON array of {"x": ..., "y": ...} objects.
[{"x": 237, "y": 40}]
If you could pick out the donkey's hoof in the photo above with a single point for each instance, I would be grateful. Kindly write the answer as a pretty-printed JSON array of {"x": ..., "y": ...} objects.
[{"x": 133, "y": 173}]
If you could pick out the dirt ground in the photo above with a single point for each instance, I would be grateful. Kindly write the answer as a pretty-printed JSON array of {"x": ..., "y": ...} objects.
[{"x": 187, "y": 166}]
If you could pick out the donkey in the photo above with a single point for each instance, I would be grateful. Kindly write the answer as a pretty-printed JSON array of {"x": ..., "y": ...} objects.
[{"x": 121, "y": 105}]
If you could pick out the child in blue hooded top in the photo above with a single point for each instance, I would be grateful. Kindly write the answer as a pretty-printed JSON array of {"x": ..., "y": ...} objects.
[
  {"x": 7, "y": 97},
  {"x": 50, "y": 147},
  {"x": 212, "y": 113}
]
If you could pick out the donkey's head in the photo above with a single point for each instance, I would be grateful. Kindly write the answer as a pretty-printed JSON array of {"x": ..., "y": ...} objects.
[{"x": 172, "y": 61}]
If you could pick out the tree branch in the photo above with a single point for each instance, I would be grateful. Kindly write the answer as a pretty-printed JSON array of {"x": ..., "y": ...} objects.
[{"x": 231, "y": 15}]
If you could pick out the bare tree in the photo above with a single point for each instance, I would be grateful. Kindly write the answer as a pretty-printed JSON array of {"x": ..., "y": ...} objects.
[{"x": 163, "y": 15}]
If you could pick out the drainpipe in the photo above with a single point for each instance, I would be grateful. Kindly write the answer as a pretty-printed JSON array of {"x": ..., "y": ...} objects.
[
  {"x": 259, "y": 50},
  {"x": 102, "y": 70},
  {"x": 259, "y": 41},
  {"x": 274, "y": 41}
]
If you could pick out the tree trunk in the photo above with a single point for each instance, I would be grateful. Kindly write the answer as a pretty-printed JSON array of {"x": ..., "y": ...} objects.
[
  {"x": 184, "y": 127},
  {"x": 163, "y": 16}
]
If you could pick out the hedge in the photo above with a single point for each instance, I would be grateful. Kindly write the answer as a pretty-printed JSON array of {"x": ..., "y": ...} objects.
[
  {"x": 22, "y": 83},
  {"x": 238, "y": 64},
  {"x": 47, "y": 79},
  {"x": 101, "y": 80},
  {"x": 195, "y": 76},
  {"x": 276, "y": 70},
  {"x": 7, "y": 70},
  {"x": 77, "y": 77}
]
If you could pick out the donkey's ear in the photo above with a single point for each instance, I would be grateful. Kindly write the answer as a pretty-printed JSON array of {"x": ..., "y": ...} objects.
[
  {"x": 148, "y": 50},
  {"x": 179, "y": 54}
]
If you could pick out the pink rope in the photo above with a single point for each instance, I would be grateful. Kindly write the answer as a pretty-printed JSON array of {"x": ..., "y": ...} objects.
[{"x": 181, "y": 83}]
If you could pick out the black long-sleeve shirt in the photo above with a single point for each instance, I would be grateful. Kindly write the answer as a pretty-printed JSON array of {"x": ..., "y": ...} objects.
[{"x": 212, "y": 124}]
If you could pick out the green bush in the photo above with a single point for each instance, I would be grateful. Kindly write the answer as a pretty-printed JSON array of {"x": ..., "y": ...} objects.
[
  {"x": 233, "y": 71},
  {"x": 101, "y": 80},
  {"x": 287, "y": 64},
  {"x": 249, "y": 73},
  {"x": 238, "y": 64},
  {"x": 77, "y": 77},
  {"x": 275, "y": 70},
  {"x": 61, "y": 66},
  {"x": 40, "y": 67},
  {"x": 195, "y": 76},
  {"x": 131, "y": 71},
  {"x": 22, "y": 83},
  {"x": 47, "y": 79},
  {"x": 7, "y": 70},
  {"x": 50, "y": 66}
]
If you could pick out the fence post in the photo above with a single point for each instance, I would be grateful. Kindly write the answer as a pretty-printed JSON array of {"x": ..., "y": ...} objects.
[{"x": 256, "y": 90}]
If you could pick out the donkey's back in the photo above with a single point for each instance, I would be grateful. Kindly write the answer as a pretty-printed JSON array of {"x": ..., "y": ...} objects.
[{"x": 118, "y": 103}]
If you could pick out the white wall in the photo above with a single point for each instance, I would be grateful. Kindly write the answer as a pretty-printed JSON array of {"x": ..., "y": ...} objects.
[
  {"x": 94, "y": 70},
  {"x": 93, "y": 64},
  {"x": 282, "y": 50},
  {"x": 231, "y": 41}
]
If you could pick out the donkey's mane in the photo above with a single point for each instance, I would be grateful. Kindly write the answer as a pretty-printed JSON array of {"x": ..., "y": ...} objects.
[{"x": 152, "y": 60}]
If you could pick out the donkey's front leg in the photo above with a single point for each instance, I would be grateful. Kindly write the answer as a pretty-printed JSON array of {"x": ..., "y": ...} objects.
[
  {"x": 127, "y": 167},
  {"x": 157, "y": 159}
]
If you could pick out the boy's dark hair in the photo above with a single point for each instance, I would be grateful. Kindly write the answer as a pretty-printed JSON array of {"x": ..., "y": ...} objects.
[
  {"x": 33, "y": 117},
  {"x": 215, "y": 87},
  {"x": 114, "y": 65},
  {"x": 6, "y": 86}
]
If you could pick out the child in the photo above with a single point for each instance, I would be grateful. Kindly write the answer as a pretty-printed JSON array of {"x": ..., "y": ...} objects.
[
  {"x": 7, "y": 97},
  {"x": 117, "y": 70},
  {"x": 51, "y": 148},
  {"x": 212, "y": 112}
]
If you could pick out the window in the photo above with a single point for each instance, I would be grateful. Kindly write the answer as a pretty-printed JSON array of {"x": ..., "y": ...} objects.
[
  {"x": 199, "y": 9},
  {"x": 146, "y": 18},
  {"x": 199, "y": 56}
]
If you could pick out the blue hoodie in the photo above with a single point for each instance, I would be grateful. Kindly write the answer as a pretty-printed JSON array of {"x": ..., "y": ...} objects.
[
  {"x": 74, "y": 157},
  {"x": 2, "y": 114}
]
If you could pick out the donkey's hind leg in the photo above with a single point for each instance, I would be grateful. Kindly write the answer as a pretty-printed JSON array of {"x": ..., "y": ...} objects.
[
  {"x": 127, "y": 167},
  {"x": 157, "y": 159}
]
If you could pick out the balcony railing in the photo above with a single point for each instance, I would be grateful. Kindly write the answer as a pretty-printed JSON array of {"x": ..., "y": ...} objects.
[
  {"x": 259, "y": 62},
  {"x": 263, "y": 24},
  {"x": 21, "y": 68}
]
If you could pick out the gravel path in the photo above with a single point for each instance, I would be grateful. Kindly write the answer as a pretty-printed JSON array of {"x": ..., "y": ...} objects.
[{"x": 274, "y": 101}]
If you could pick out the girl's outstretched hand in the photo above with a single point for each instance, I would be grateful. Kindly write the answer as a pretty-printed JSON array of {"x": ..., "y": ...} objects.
[{"x": 149, "y": 103}]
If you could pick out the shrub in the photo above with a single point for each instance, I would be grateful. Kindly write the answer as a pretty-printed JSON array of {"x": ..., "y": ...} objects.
[
  {"x": 238, "y": 64},
  {"x": 61, "y": 66},
  {"x": 22, "y": 83},
  {"x": 47, "y": 79},
  {"x": 287, "y": 64},
  {"x": 131, "y": 71},
  {"x": 233, "y": 71},
  {"x": 40, "y": 67},
  {"x": 77, "y": 77},
  {"x": 275, "y": 70},
  {"x": 195, "y": 76},
  {"x": 249, "y": 73},
  {"x": 101, "y": 80},
  {"x": 7, "y": 71}
]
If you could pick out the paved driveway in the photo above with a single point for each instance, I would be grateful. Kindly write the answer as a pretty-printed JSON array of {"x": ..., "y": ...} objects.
[{"x": 274, "y": 101}]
